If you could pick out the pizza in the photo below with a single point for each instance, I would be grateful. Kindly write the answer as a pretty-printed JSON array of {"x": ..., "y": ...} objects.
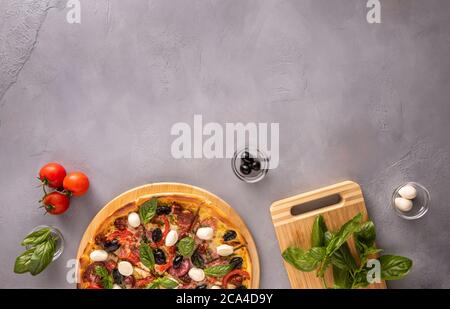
[{"x": 168, "y": 242}]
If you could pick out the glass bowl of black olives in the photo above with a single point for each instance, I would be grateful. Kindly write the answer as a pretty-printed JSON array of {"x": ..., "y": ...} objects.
[{"x": 250, "y": 165}]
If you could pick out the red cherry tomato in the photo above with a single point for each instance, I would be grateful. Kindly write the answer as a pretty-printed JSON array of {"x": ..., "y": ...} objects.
[
  {"x": 76, "y": 183},
  {"x": 56, "y": 203},
  {"x": 52, "y": 174}
]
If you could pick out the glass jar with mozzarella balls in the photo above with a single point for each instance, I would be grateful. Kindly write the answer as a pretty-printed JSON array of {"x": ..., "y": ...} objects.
[{"x": 411, "y": 200}]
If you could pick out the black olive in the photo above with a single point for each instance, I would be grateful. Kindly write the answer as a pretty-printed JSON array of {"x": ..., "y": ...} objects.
[
  {"x": 245, "y": 169},
  {"x": 241, "y": 287},
  {"x": 163, "y": 210},
  {"x": 197, "y": 259},
  {"x": 177, "y": 261},
  {"x": 156, "y": 234},
  {"x": 160, "y": 257},
  {"x": 201, "y": 286},
  {"x": 247, "y": 158},
  {"x": 229, "y": 235},
  {"x": 111, "y": 246},
  {"x": 118, "y": 278},
  {"x": 236, "y": 262},
  {"x": 256, "y": 166}
]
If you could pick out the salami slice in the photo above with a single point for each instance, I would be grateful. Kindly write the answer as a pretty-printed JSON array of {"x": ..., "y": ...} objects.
[
  {"x": 185, "y": 218},
  {"x": 182, "y": 270}
]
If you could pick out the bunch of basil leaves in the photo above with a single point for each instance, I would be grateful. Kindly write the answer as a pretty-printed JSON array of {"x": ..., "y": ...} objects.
[
  {"x": 42, "y": 247},
  {"x": 331, "y": 249}
]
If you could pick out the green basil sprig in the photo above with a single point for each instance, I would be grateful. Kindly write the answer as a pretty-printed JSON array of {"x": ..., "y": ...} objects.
[
  {"x": 148, "y": 210},
  {"x": 332, "y": 249},
  {"x": 39, "y": 255}
]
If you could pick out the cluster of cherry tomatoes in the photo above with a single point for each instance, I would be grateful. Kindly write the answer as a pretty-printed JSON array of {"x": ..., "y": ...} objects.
[{"x": 64, "y": 186}]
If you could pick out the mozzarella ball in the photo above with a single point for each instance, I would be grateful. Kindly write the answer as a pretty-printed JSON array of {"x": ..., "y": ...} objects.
[
  {"x": 216, "y": 287},
  {"x": 408, "y": 192},
  {"x": 205, "y": 233},
  {"x": 116, "y": 287},
  {"x": 125, "y": 268},
  {"x": 403, "y": 204},
  {"x": 196, "y": 274},
  {"x": 171, "y": 238},
  {"x": 98, "y": 255},
  {"x": 224, "y": 250},
  {"x": 133, "y": 219}
]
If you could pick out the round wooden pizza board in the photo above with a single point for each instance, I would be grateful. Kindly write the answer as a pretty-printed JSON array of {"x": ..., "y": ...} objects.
[{"x": 166, "y": 188}]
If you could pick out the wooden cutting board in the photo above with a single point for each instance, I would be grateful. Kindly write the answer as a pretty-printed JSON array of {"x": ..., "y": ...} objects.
[{"x": 293, "y": 219}]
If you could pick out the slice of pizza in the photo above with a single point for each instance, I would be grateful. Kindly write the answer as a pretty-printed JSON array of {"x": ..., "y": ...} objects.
[{"x": 166, "y": 242}]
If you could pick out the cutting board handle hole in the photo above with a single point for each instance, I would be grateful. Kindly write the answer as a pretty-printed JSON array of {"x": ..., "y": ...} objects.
[{"x": 326, "y": 201}]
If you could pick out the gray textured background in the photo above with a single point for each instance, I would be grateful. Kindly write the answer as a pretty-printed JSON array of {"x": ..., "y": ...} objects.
[{"x": 354, "y": 101}]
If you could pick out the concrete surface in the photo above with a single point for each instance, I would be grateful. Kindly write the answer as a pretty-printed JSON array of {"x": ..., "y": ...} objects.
[{"x": 354, "y": 101}]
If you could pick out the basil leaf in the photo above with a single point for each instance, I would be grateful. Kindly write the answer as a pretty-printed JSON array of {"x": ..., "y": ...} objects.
[
  {"x": 372, "y": 250},
  {"x": 342, "y": 278},
  {"x": 304, "y": 260},
  {"x": 197, "y": 259},
  {"x": 148, "y": 210},
  {"x": 153, "y": 285},
  {"x": 146, "y": 255},
  {"x": 360, "y": 281},
  {"x": 42, "y": 256},
  {"x": 168, "y": 283},
  {"x": 343, "y": 259},
  {"x": 101, "y": 271},
  {"x": 394, "y": 267},
  {"x": 218, "y": 270},
  {"x": 318, "y": 253},
  {"x": 165, "y": 282},
  {"x": 324, "y": 266},
  {"x": 327, "y": 237},
  {"x": 186, "y": 246},
  {"x": 36, "y": 237},
  {"x": 318, "y": 232},
  {"x": 344, "y": 233},
  {"x": 365, "y": 235},
  {"x": 22, "y": 261},
  {"x": 105, "y": 277}
]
